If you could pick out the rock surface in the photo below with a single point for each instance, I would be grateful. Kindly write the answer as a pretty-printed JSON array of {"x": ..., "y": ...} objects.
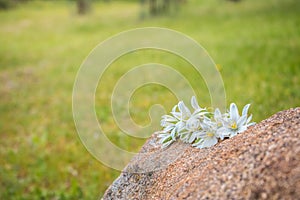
[{"x": 261, "y": 163}]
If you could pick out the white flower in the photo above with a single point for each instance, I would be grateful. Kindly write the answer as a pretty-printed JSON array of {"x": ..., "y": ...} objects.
[
  {"x": 173, "y": 124},
  {"x": 165, "y": 139},
  {"x": 200, "y": 127},
  {"x": 170, "y": 122},
  {"x": 181, "y": 123},
  {"x": 197, "y": 108},
  {"x": 219, "y": 120},
  {"x": 192, "y": 121},
  {"x": 192, "y": 125},
  {"x": 187, "y": 137},
  {"x": 184, "y": 112},
  {"x": 234, "y": 123},
  {"x": 208, "y": 136},
  {"x": 218, "y": 117}
]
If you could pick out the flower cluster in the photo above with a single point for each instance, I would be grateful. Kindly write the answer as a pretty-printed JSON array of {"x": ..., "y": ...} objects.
[{"x": 202, "y": 128}]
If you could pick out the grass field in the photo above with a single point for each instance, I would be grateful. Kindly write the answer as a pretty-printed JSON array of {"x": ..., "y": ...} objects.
[{"x": 42, "y": 44}]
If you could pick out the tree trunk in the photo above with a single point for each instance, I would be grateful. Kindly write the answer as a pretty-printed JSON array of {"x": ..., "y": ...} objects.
[
  {"x": 153, "y": 7},
  {"x": 83, "y": 6}
]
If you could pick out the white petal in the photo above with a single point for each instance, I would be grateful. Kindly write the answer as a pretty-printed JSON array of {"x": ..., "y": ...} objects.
[
  {"x": 249, "y": 119},
  {"x": 194, "y": 103},
  {"x": 234, "y": 112},
  {"x": 204, "y": 125},
  {"x": 232, "y": 134},
  {"x": 174, "y": 108},
  {"x": 162, "y": 140},
  {"x": 221, "y": 136},
  {"x": 201, "y": 134},
  {"x": 169, "y": 118},
  {"x": 201, "y": 112},
  {"x": 163, "y": 135},
  {"x": 169, "y": 128},
  {"x": 217, "y": 113},
  {"x": 177, "y": 115},
  {"x": 245, "y": 109},
  {"x": 209, "y": 142},
  {"x": 180, "y": 126},
  {"x": 181, "y": 106},
  {"x": 167, "y": 144},
  {"x": 242, "y": 129},
  {"x": 173, "y": 134},
  {"x": 192, "y": 138},
  {"x": 184, "y": 136},
  {"x": 226, "y": 123},
  {"x": 165, "y": 123},
  {"x": 251, "y": 124},
  {"x": 223, "y": 132},
  {"x": 242, "y": 120},
  {"x": 184, "y": 110}
]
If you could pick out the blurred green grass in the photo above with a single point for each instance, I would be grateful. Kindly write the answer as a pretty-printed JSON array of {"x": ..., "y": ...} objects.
[{"x": 42, "y": 44}]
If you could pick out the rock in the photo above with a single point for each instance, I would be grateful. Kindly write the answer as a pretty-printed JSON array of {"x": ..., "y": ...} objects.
[{"x": 261, "y": 163}]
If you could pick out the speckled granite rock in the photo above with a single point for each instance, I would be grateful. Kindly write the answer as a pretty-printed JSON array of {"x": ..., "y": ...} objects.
[{"x": 261, "y": 163}]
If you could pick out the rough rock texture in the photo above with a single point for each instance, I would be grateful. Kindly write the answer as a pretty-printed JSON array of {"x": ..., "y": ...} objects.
[{"x": 261, "y": 163}]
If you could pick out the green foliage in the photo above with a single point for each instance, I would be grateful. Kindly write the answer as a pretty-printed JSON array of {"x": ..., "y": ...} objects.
[
  {"x": 6, "y": 4},
  {"x": 42, "y": 44}
]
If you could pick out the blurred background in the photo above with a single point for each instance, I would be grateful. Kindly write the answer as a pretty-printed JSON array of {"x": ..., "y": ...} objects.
[{"x": 254, "y": 43}]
